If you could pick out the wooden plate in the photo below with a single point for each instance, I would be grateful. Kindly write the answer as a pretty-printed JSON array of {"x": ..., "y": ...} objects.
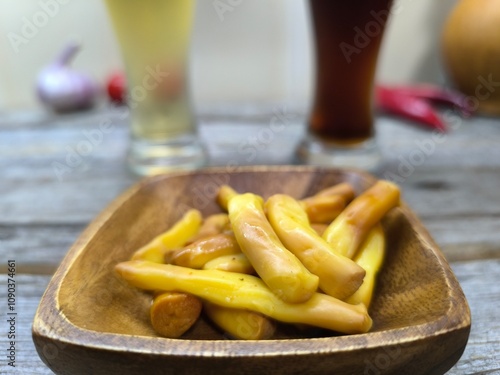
[{"x": 90, "y": 322}]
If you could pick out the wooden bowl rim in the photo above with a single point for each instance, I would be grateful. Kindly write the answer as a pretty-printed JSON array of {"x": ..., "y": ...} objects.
[{"x": 47, "y": 326}]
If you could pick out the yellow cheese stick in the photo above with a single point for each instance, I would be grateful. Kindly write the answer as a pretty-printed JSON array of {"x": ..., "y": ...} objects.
[
  {"x": 370, "y": 257},
  {"x": 280, "y": 270},
  {"x": 339, "y": 276},
  {"x": 240, "y": 324},
  {"x": 242, "y": 291},
  {"x": 224, "y": 194},
  {"x": 173, "y": 238},
  {"x": 231, "y": 263},
  {"x": 237, "y": 323}
]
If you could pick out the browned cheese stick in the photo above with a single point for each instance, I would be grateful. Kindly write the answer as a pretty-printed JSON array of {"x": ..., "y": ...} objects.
[
  {"x": 172, "y": 314},
  {"x": 196, "y": 254},
  {"x": 348, "y": 231}
]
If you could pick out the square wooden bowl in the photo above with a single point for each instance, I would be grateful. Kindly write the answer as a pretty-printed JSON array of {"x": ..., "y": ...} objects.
[{"x": 91, "y": 322}]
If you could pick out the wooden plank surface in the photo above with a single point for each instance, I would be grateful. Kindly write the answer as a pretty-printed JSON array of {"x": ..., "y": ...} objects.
[
  {"x": 28, "y": 294},
  {"x": 451, "y": 182},
  {"x": 454, "y": 187},
  {"x": 478, "y": 281},
  {"x": 477, "y": 278}
]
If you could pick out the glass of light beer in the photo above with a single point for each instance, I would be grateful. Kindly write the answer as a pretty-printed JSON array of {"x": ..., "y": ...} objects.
[
  {"x": 347, "y": 37},
  {"x": 154, "y": 38}
]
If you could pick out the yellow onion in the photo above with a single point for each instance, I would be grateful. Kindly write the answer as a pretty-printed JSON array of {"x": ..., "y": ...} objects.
[{"x": 471, "y": 52}]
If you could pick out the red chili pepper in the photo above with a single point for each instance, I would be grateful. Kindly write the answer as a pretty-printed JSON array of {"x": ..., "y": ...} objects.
[
  {"x": 436, "y": 95},
  {"x": 116, "y": 88},
  {"x": 409, "y": 106}
]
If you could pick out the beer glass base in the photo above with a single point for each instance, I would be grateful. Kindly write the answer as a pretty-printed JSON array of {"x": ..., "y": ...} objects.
[
  {"x": 147, "y": 158},
  {"x": 364, "y": 155}
]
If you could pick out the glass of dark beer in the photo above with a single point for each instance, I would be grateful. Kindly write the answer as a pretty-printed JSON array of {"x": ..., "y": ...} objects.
[{"x": 347, "y": 37}]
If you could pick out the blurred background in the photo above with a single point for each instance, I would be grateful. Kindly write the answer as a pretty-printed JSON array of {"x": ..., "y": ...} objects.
[{"x": 256, "y": 51}]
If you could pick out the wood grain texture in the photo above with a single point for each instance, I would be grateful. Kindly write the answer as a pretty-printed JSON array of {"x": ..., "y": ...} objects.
[
  {"x": 29, "y": 290},
  {"x": 420, "y": 314},
  {"x": 476, "y": 278},
  {"x": 453, "y": 188},
  {"x": 479, "y": 282}
]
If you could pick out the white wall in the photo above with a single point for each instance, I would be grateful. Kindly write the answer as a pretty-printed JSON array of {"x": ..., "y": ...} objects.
[
  {"x": 411, "y": 50},
  {"x": 241, "y": 55},
  {"x": 259, "y": 51}
]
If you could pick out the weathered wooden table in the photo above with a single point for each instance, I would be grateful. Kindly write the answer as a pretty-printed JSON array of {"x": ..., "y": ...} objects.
[{"x": 57, "y": 173}]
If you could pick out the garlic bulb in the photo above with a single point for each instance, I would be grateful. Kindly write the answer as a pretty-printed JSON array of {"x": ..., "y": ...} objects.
[{"x": 64, "y": 89}]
